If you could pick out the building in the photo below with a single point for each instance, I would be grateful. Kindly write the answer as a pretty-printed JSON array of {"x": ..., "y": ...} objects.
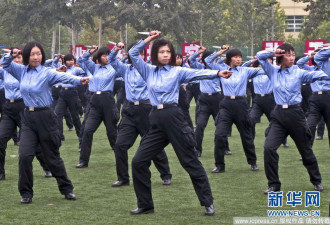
[{"x": 295, "y": 14}]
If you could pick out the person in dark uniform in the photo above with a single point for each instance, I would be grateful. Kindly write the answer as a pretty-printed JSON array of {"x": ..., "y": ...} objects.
[
  {"x": 209, "y": 98},
  {"x": 135, "y": 119},
  {"x": 68, "y": 97},
  {"x": 233, "y": 108},
  {"x": 39, "y": 122},
  {"x": 167, "y": 123},
  {"x": 102, "y": 102},
  {"x": 287, "y": 117}
]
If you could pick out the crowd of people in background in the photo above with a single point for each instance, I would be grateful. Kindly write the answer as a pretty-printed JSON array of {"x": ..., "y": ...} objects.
[{"x": 133, "y": 96}]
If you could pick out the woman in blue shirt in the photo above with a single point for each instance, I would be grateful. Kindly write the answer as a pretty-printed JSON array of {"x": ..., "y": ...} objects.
[
  {"x": 167, "y": 121},
  {"x": 39, "y": 122}
]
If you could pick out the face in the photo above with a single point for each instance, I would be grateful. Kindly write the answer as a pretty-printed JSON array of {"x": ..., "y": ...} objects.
[
  {"x": 35, "y": 57},
  {"x": 164, "y": 55},
  {"x": 236, "y": 61},
  {"x": 18, "y": 59},
  {"x": 104, "y": 59},
  {"x": 178, "y": 61},
  {"x": 288, "y": 59},
  {"x": 69, "y": 63}
]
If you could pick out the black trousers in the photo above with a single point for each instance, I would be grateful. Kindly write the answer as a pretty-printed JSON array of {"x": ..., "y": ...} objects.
[
  {"x": 102, "y": 108},
  {"x": 291, "y": 122},
  {"x": 184, "y": 105},
  {"x": 86, "y": 113},
  {"x": 193, "y": 91},
  {"x": 41, "y": 128},
  {"x": 233, "y": 111},
  {"x": 67, "y": 115},
  {"x": 209, "y": 105},
  {"x": 320, "y": 127},
  {"x": 119, "y": 92},
  {"x": 168, "y": 126},
  {"x": 2, "y": 99},
  {"x": 68, "y": 99},
  {"x": 81, "y": 89},
  {"x": 134, "y": 122},
  {"x": 319, "y": 106},
  {"x": 306, "y": 93}
]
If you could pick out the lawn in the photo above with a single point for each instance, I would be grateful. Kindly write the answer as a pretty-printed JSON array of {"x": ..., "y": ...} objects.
[{"x": 237, "y": 193}]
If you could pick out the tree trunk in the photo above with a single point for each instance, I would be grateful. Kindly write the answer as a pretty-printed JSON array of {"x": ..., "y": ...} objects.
[
  {"x": 100, "y": 31},
  {"x": 122, "y": 35},
  {"x": 53, "y": 39},
  {"x": 30, "y": 36},
  {"x": 73, "y": 38}
]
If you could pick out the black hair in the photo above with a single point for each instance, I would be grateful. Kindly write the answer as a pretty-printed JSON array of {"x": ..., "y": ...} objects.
[
  {"x": 205, "y": 54},
  {"x": 102, "y": 51},
  {"x": 231, "y": 53},
  {"x": 154, "y": 51},
  {"x": 129, "y": 48},
  {"x": 287, "y": 48},
  {"x": 256, "y": 63},
  {"x": 68, "y": 57},
  {"x": 27, "y": 52},
  {"x": 313, "y": 61},
  {"x": 180, "y": 56},
  {"x": 12, "y": 49}
]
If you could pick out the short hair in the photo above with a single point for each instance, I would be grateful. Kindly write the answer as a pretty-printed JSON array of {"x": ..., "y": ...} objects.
[
  {"x": 144, "y": 52},
  {"x": 12, "y": 49},
  {"x": 231, "y": 53},
  {"x": 287, "y": 48},
  {"x": 102, "y": 51},
  {"x": 154, "y": 51},
  {"x": 180, "y": 56},
  {"x": 313, "y": 61},
  {"x": 256, "y": 63},
  {"x": 27, "y": 52},
  {"x": 68, "y": 57},
  {"x": 205, "y": 55}
]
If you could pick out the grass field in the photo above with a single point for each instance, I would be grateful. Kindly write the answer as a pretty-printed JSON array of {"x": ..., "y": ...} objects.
[{"x": 237, "y": 193}]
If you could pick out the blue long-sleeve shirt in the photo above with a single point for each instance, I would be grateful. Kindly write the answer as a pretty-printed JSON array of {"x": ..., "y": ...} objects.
[
  {"x": 73, "y": 70},
  {"x": 236, "y": 84},
  {"x": 164, "y": 82},
  {"x": 206, "y": 86},
  {"x": 103, "y": 77},
  {"x": 261, "y": 84},
  {"x": 135, "y": 86},
  {"x": 287, "y": 82},
  {"x": 36, "y": 83},
  {"x": 322, "y": 59},
  {"x": 11, "y": 85},
  {"x": 318, "y": 85}
]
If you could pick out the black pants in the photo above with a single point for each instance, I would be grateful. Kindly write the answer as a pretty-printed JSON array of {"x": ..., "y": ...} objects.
[
  {"x": 67, "y": 115},
  {"x": 184, "y": 105},
  {"x": 68, "y": 99},
  {"x": 102, "y": 109},
  {"x": 319, "y": 106},
  {"x": 209, "y": 105},
  {"x": 86, "y": 113},
  {"x": 2, "y": 99},
  {"x": 306, "y": 93},
  {"x": 320, "y": 127},
  {"x": 40, "y": 128},
  {"x": 134, "y": 122},
  {"x": 193, "y": 91},
  {"x": 291, "y": 122},
  {"x": 81, "y": 89},
  {"x": 233, "y": 111},
  {"x": 168, "y": 126},
  {"x": 119, "y": 92}
]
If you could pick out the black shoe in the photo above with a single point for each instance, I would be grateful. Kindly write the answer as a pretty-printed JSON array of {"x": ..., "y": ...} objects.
[
  {"x": 70, "y": 196},
  {"x": 218, "y": 170},
  {"x": 300, "y": 159},
  {"x": 209, "y": 210},
  {"x": 2, "y": 176},
  {"x": 318, "y": 187},
  {"x": 70, "y": 129},
  {"x": 48, "y": 174},
  {"x": 120, "y": 183},
  {"x": 254, "y": 167},
  {"x": 286, "y": 145},
  {"x": 167, "y": 182},
  {"x": 271, "y": 189},
  {"x": 139, "y": 211},
  {"x": 81, "y": 165},
  {"x": 319, "y": 138},
  {"x": 228, "y": 152},
  {"x": 26, "y": 200}
]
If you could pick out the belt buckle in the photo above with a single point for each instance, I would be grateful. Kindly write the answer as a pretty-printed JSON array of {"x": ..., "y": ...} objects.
[
  {"x": 262, "y": 95},
  {"x": 319, "y": 92},
  {"x": 31, "y": 108},
  {"x": 209, "y": 94},
  {"x": 285, "y": 106},
  {"x": 304, "y": 84},
  {"x": 11, "y": 100},
  {"x": 98, "y": 92},
  {"x": 232, "y": 97},
  {"x": 66, "y": 88},
  {"x": 56, "y": 86},
  {"x": 137, "y": 103},
  {"x": 161, "y": 106}
]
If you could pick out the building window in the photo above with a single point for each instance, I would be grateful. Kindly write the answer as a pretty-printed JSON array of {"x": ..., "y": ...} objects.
[{"x": 294, "y": 23}]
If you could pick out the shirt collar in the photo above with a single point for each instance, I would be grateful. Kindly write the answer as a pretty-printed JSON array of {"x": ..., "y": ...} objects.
[
  {"x": 38, "y": 68},
  {"x": 166, "y": 67},
  {"x": 235, "y": 68},
  {"x": 289, "y": 69}
]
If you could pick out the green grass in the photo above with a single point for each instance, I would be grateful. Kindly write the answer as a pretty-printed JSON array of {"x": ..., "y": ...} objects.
[{"x": 237, "y": 193}]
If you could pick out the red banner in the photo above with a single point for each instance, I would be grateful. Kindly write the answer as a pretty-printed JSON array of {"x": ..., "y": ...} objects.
[
  {"x": 79, "y": 50},
  {"x": 189, "y": 48},
  {"x": 312, "y": 45},
  {"x": 271, "y": 45}
]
